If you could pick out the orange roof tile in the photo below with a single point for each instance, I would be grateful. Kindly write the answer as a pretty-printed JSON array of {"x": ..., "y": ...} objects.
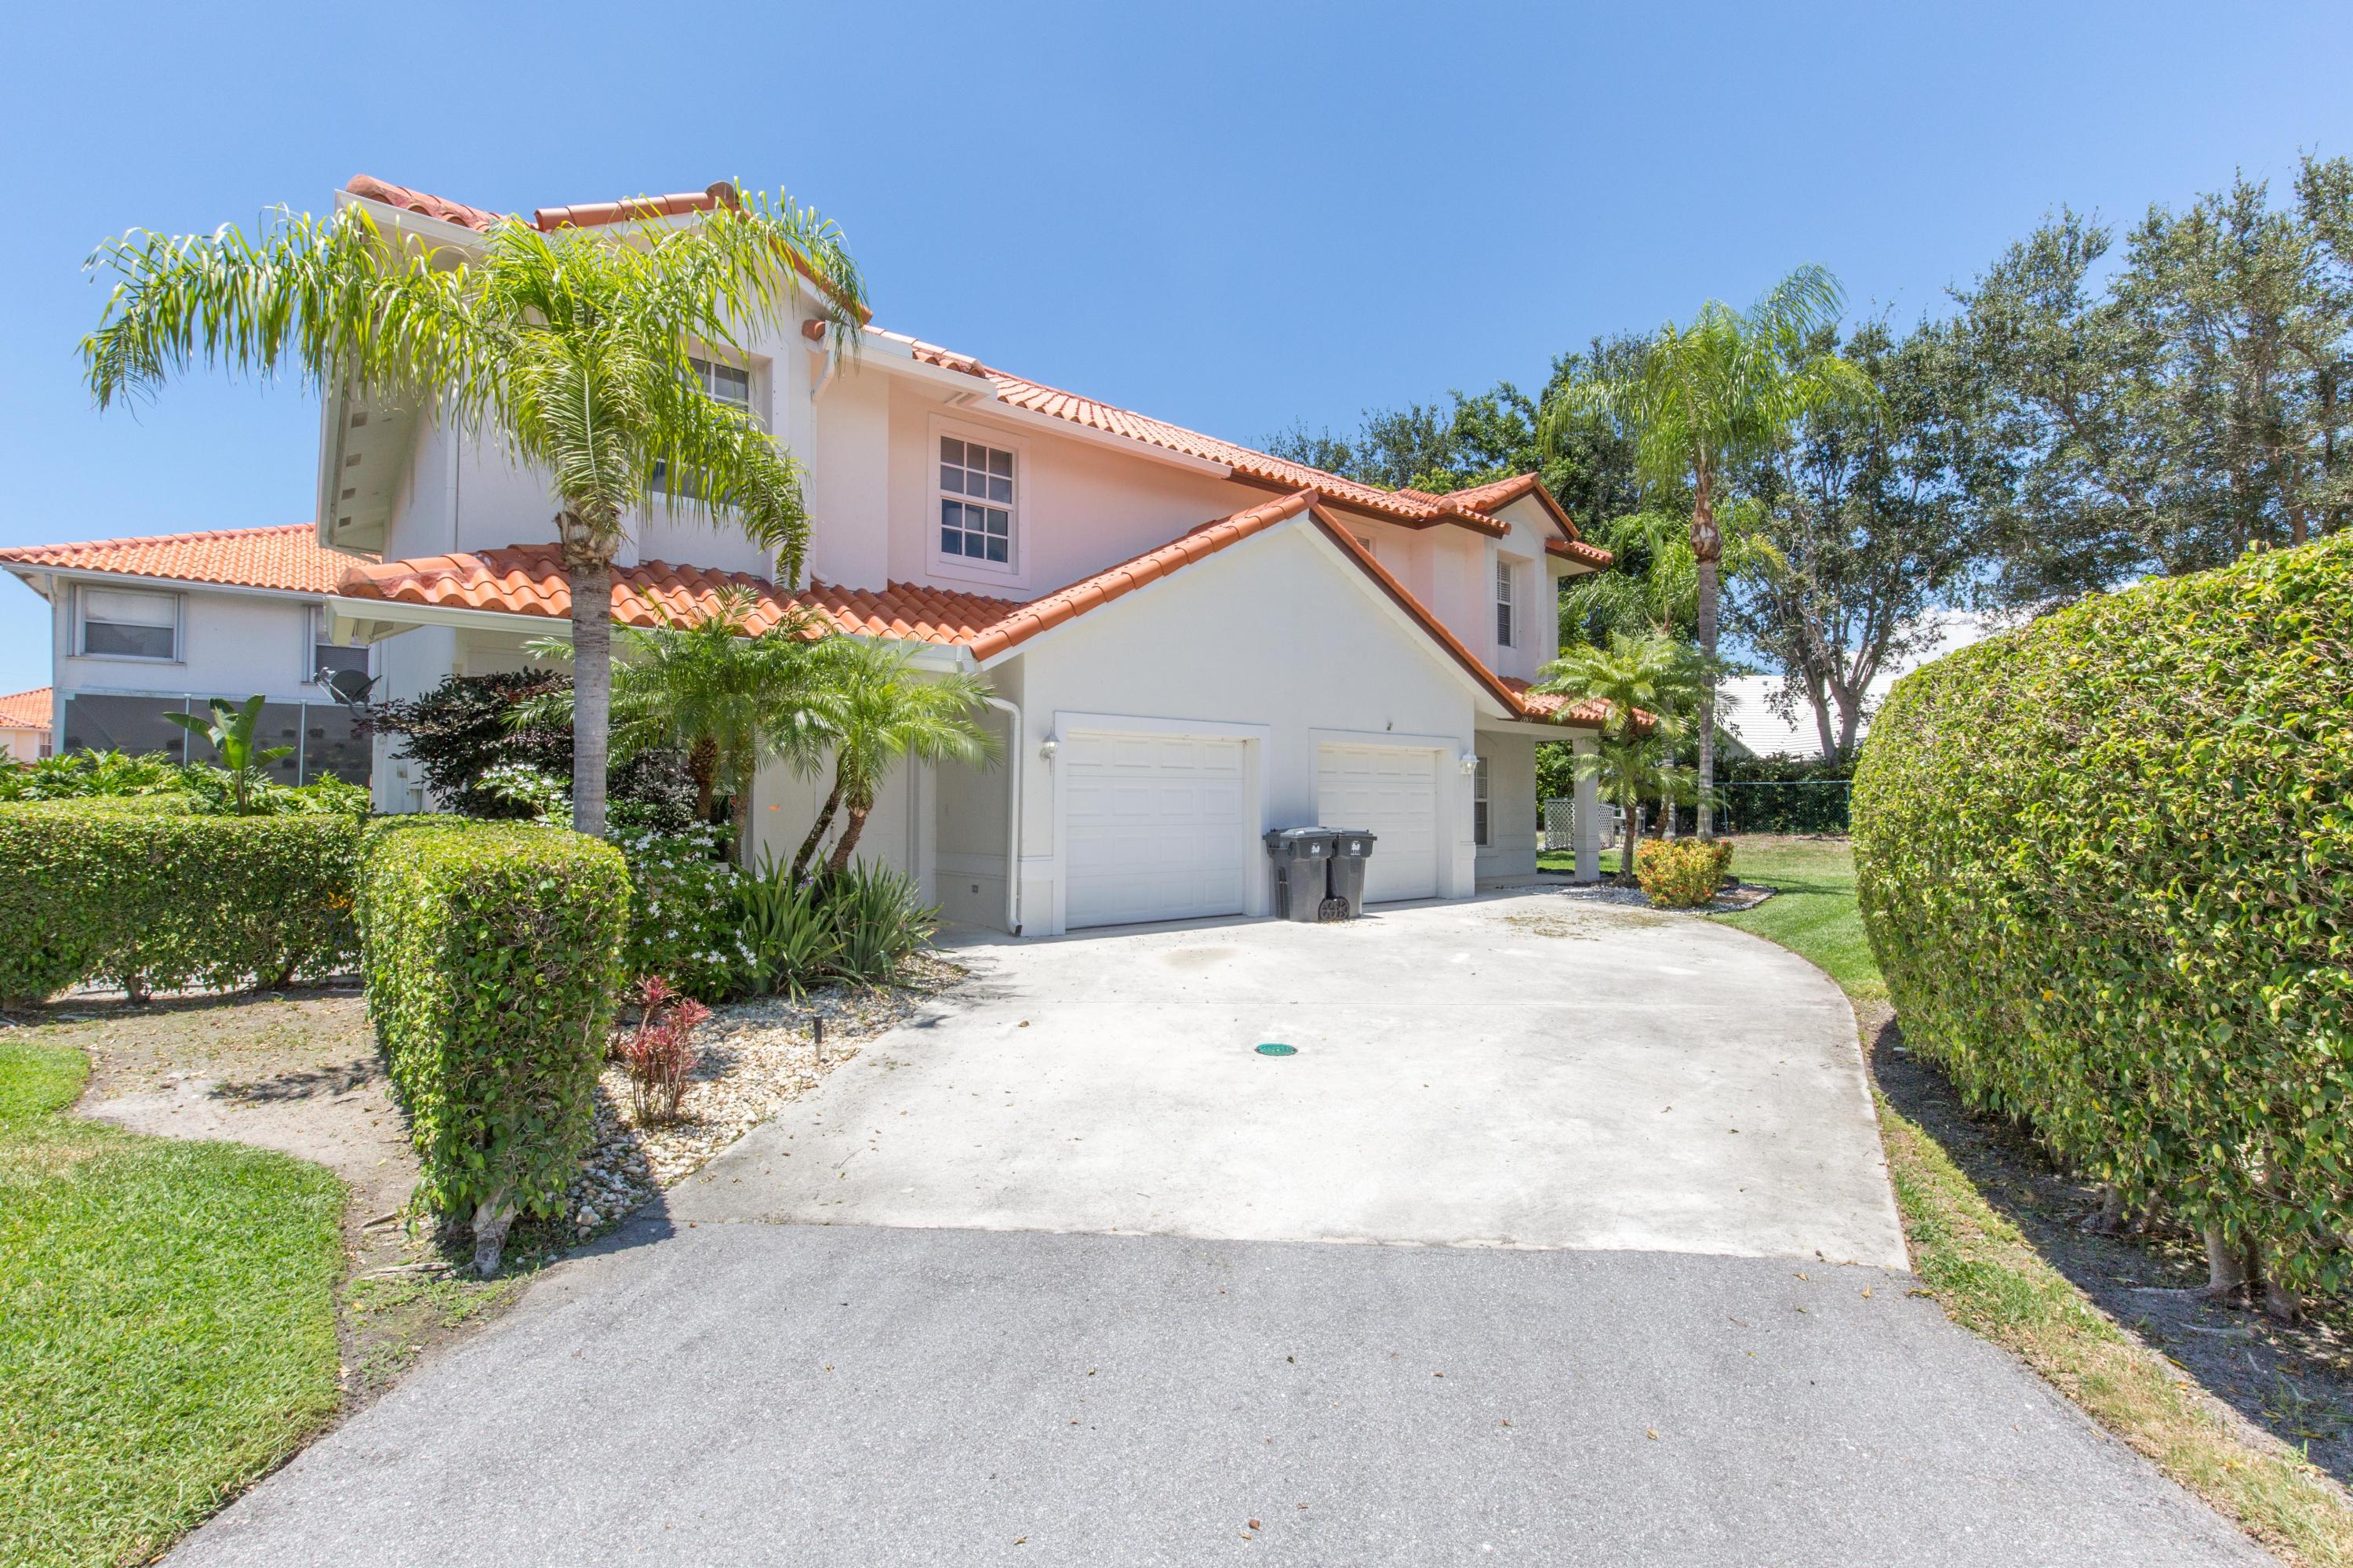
[
  {"x": 289, "y": 557},
  {"x": 1553, "y": 707},
  {"x": 528, "y": 579},
  {"x": 26, "y": 709}
]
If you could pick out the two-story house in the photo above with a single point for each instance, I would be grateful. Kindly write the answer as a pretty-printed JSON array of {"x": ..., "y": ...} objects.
[{"x": 1189, "y": 641}]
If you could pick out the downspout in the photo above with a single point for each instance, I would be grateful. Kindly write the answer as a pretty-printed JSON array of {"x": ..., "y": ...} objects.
[{"x": 1013, "y": 762}]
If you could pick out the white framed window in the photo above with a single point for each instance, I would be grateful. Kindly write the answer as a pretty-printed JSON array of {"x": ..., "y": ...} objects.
[
  {"x": 1507, "y": 579},
  {"x": 127, "y": 623},
  {"x": 1479, "y": 817},
  {"x": 329, "y": 659},
  {"x": 729, "y": 383},
  {"x": 976, "y": 502}
]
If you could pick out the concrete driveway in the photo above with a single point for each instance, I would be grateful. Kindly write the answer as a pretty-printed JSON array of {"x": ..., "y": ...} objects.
[
  {"x": 1528, "y": 1071},
  {"x": 1645, "y": 1337}
]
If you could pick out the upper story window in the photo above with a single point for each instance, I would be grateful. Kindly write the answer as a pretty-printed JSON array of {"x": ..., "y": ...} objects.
[
  {"x": 1507, "y": 628},
  {"x": 729, "y": 383},
  {"x": 976, "y": 502},
  {"x": 1479, "y": 817},
  {"x": 124, "y": 623},
  {"x": 329, "y": 660}
]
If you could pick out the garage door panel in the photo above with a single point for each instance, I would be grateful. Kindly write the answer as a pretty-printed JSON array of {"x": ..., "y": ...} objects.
[
  {"x": 1154, "y": 827},
  {"x": 1392, "y": 793}
]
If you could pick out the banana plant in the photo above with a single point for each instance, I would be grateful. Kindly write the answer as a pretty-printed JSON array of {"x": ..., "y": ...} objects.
[{"x": 229, "y": 727}]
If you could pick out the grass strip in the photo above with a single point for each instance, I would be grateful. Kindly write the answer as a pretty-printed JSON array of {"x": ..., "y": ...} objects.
[{"x": 167, "y": 1321}]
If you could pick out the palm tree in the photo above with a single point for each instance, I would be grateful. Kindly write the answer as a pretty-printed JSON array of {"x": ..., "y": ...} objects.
[
  {"x": 573, "y": 348},
  {"x": 879, "y": 710},
  {"x": 1704, "y": 401},
  {"x": 728, "y": 699},
  {"x": 1646, "y": 684}
]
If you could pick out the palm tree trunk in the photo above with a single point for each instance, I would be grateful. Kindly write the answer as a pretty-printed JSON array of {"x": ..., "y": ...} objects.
[
  {"x": 739, "y": 812},
  {"x": 1707, "y": 547},
  {"x": 703, "y": 767},
  {"x": 855, "y": 826},
  {"x": 591, "y": 581},
  {"x": 1626, "y": 833},
  {"x": 817, "y": 829}
]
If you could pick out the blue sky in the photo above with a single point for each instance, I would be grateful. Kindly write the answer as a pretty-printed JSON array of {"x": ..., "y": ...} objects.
[{"x": 1232, "y": 216}]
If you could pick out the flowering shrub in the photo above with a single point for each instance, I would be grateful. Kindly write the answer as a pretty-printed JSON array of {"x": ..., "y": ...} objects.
[
  {"x": 683, "y": 923},
  {"x": 1681, "y": 873},
  {"x": 660, "y": 1052}
]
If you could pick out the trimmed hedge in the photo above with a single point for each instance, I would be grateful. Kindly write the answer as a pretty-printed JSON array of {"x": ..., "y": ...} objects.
[
  {"x": 141, "y": 893},
  {"x": 2106, "y": 864},
  {"x": 492, "y": 952}
]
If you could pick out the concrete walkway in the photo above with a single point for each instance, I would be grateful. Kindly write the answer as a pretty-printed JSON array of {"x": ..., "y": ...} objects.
[
  {"x": 1516, "y": 1071},
  {"x": 1613, "y": 1356}
]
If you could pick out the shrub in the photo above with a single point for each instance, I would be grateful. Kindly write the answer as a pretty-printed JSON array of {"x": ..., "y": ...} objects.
[
  {"x": 879, "y": 919},
  {"x": 2106, "y": 863},
  {"x": 491, "y": 954},
  {"x": 78, "y": 774},
  {"x": 145, "y": 894},
  {"x": 786, "y": 930},
  {"x": 1681, "y": 873},
  {"x": 659, "y": 1055},
  {"x": 684, "y": 924}
]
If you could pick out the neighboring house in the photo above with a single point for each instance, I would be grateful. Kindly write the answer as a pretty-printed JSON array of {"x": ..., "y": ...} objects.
[
  {"x": 146, "y": 626},
  {"x": 1191, "y": 643},
  {"x": 1744, "y": 703},
  {"x": 25, "y": 726}
]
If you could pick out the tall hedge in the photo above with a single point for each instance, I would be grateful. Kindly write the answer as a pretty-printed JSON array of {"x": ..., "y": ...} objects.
[
  {"x": 2106, "y": 863},
  {"x": 141, "y": 892},
  {"x": 492, "y": 952}
]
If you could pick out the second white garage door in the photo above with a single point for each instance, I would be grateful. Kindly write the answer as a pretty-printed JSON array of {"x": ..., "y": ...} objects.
[
  {"x": 1393, "y": 792},
  {"x": 1154, "y": 827}
]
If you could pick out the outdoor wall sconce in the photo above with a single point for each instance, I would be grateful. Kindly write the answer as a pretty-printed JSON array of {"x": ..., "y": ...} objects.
[
  {"x": 1468, "y": 762},
  {"x": 1048, "y": 747}
]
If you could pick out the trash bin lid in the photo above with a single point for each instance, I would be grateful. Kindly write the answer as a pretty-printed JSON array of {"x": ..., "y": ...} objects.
[
  {"x": 1354, "y": 841},
  {"x": 1298, "y": 844}
]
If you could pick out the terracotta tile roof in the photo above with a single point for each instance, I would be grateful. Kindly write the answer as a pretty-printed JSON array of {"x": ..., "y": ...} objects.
[
  {"x": 406, "y": 200},
  {"x": 26, "y": 709},
  {"x": 289, "y": 557},
  {"x": 528, "y": 579},
  {"x": 1554, "y": 708}
]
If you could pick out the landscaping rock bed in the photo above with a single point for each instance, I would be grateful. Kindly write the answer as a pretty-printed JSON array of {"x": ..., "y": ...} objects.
[
  {"x": 757, "y": 1056},
  {"x": 1731, "y": 900}
]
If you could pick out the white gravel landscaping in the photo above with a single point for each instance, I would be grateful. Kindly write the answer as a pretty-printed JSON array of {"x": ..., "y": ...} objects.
[{"x": 757, "y": 1056}]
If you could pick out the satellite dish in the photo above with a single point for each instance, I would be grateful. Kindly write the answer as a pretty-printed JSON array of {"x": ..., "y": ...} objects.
[{"x": 350, "y": 687}]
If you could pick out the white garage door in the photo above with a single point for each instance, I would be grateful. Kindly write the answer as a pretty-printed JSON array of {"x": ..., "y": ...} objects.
[
  {"x": 1153, "y": 828},
  {"x": 1393, "y": 793}
]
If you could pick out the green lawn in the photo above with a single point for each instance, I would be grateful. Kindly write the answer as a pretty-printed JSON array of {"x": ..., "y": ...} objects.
[{"x": 167, "y": 1321}]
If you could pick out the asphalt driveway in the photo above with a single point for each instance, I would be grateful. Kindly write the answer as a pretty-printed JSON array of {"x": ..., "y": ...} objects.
[{"x": 895, "y": 1325}]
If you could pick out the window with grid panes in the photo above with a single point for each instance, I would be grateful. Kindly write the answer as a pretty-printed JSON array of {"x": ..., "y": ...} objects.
[{"x": 976, "y": 502}]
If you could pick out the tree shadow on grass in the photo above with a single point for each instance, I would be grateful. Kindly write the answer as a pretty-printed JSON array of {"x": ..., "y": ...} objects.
[{"x": 2295, "y": 1382}]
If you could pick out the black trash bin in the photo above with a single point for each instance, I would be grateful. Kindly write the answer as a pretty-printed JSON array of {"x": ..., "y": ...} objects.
[
  {"x": 1351, "y": 847},
  {"x": 1300, "y": 857}
]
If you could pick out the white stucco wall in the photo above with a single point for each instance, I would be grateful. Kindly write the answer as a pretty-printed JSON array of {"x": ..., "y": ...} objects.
[
  {"x": 1281, "y": 633},
  {"x": 231, "y": 645},
  {"x": 1511, "y": 849}
]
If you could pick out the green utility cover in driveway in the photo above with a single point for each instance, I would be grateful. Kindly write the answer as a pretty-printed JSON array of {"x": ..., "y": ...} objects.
[{"x": 1273, "y": 1049}]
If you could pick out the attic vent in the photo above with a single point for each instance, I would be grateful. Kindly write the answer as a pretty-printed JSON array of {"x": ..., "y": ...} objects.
[
  {"x": 343, "y": 521},
  {"x": 359, "y": 419},
  {"x": 353, "y": 461},
  {"x": 349, "y": 494}
]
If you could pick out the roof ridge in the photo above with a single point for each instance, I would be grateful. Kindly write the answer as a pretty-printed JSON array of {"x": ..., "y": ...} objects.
[{"x": 162, "y": 538}]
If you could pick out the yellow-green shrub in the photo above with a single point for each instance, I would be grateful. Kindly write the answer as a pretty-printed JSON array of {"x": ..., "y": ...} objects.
[
  {"x": 2106, "y": 863},
  {"x": 142, "y": 893},
  {"x": 492, "y": 952},
  {"x": 1681, "y": 873}
]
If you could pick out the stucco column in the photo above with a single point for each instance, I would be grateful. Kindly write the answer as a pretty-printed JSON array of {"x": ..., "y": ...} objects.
[{"x": 1588, "y": 811}]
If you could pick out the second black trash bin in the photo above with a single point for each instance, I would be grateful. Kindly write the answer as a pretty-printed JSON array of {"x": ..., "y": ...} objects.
[
  {"x": 1300, "y": 856},
  {"x": 1351, "y": 847}
]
